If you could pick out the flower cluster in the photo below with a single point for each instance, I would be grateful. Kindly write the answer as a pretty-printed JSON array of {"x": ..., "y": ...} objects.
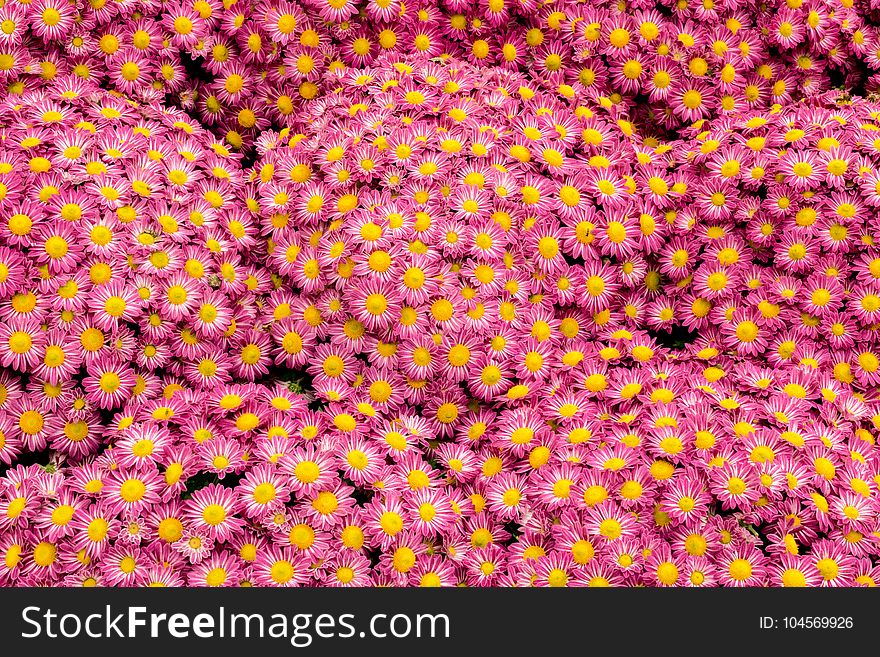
[
  {"x": 485, "y": 305},
  {"x": 536, "y": 263},
  {"x": 244, "y": 66},
  {"x": 755, "y": 233}
]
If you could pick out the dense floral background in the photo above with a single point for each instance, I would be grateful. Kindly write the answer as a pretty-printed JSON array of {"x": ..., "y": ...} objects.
[{"x": 439, "y": 293}]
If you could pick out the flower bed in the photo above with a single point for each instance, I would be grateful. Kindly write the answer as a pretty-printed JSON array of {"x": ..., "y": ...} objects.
[{"x": 457, "y": 305}]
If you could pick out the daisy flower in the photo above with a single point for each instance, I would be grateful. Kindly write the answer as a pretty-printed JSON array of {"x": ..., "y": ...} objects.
[
  {"x": 212, "y": 510},
  {"x": 278, "y": 566}
]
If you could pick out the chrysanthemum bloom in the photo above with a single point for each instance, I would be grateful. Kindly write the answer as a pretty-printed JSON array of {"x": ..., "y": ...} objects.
[
  {"x": 279, "y": 567},
  {"x": 212, "y": 510},
  {"x": 132, "y": 491}
]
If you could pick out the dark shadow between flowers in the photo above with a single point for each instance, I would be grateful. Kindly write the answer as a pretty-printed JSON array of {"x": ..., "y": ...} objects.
[{"x": 676, "y": 339}]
